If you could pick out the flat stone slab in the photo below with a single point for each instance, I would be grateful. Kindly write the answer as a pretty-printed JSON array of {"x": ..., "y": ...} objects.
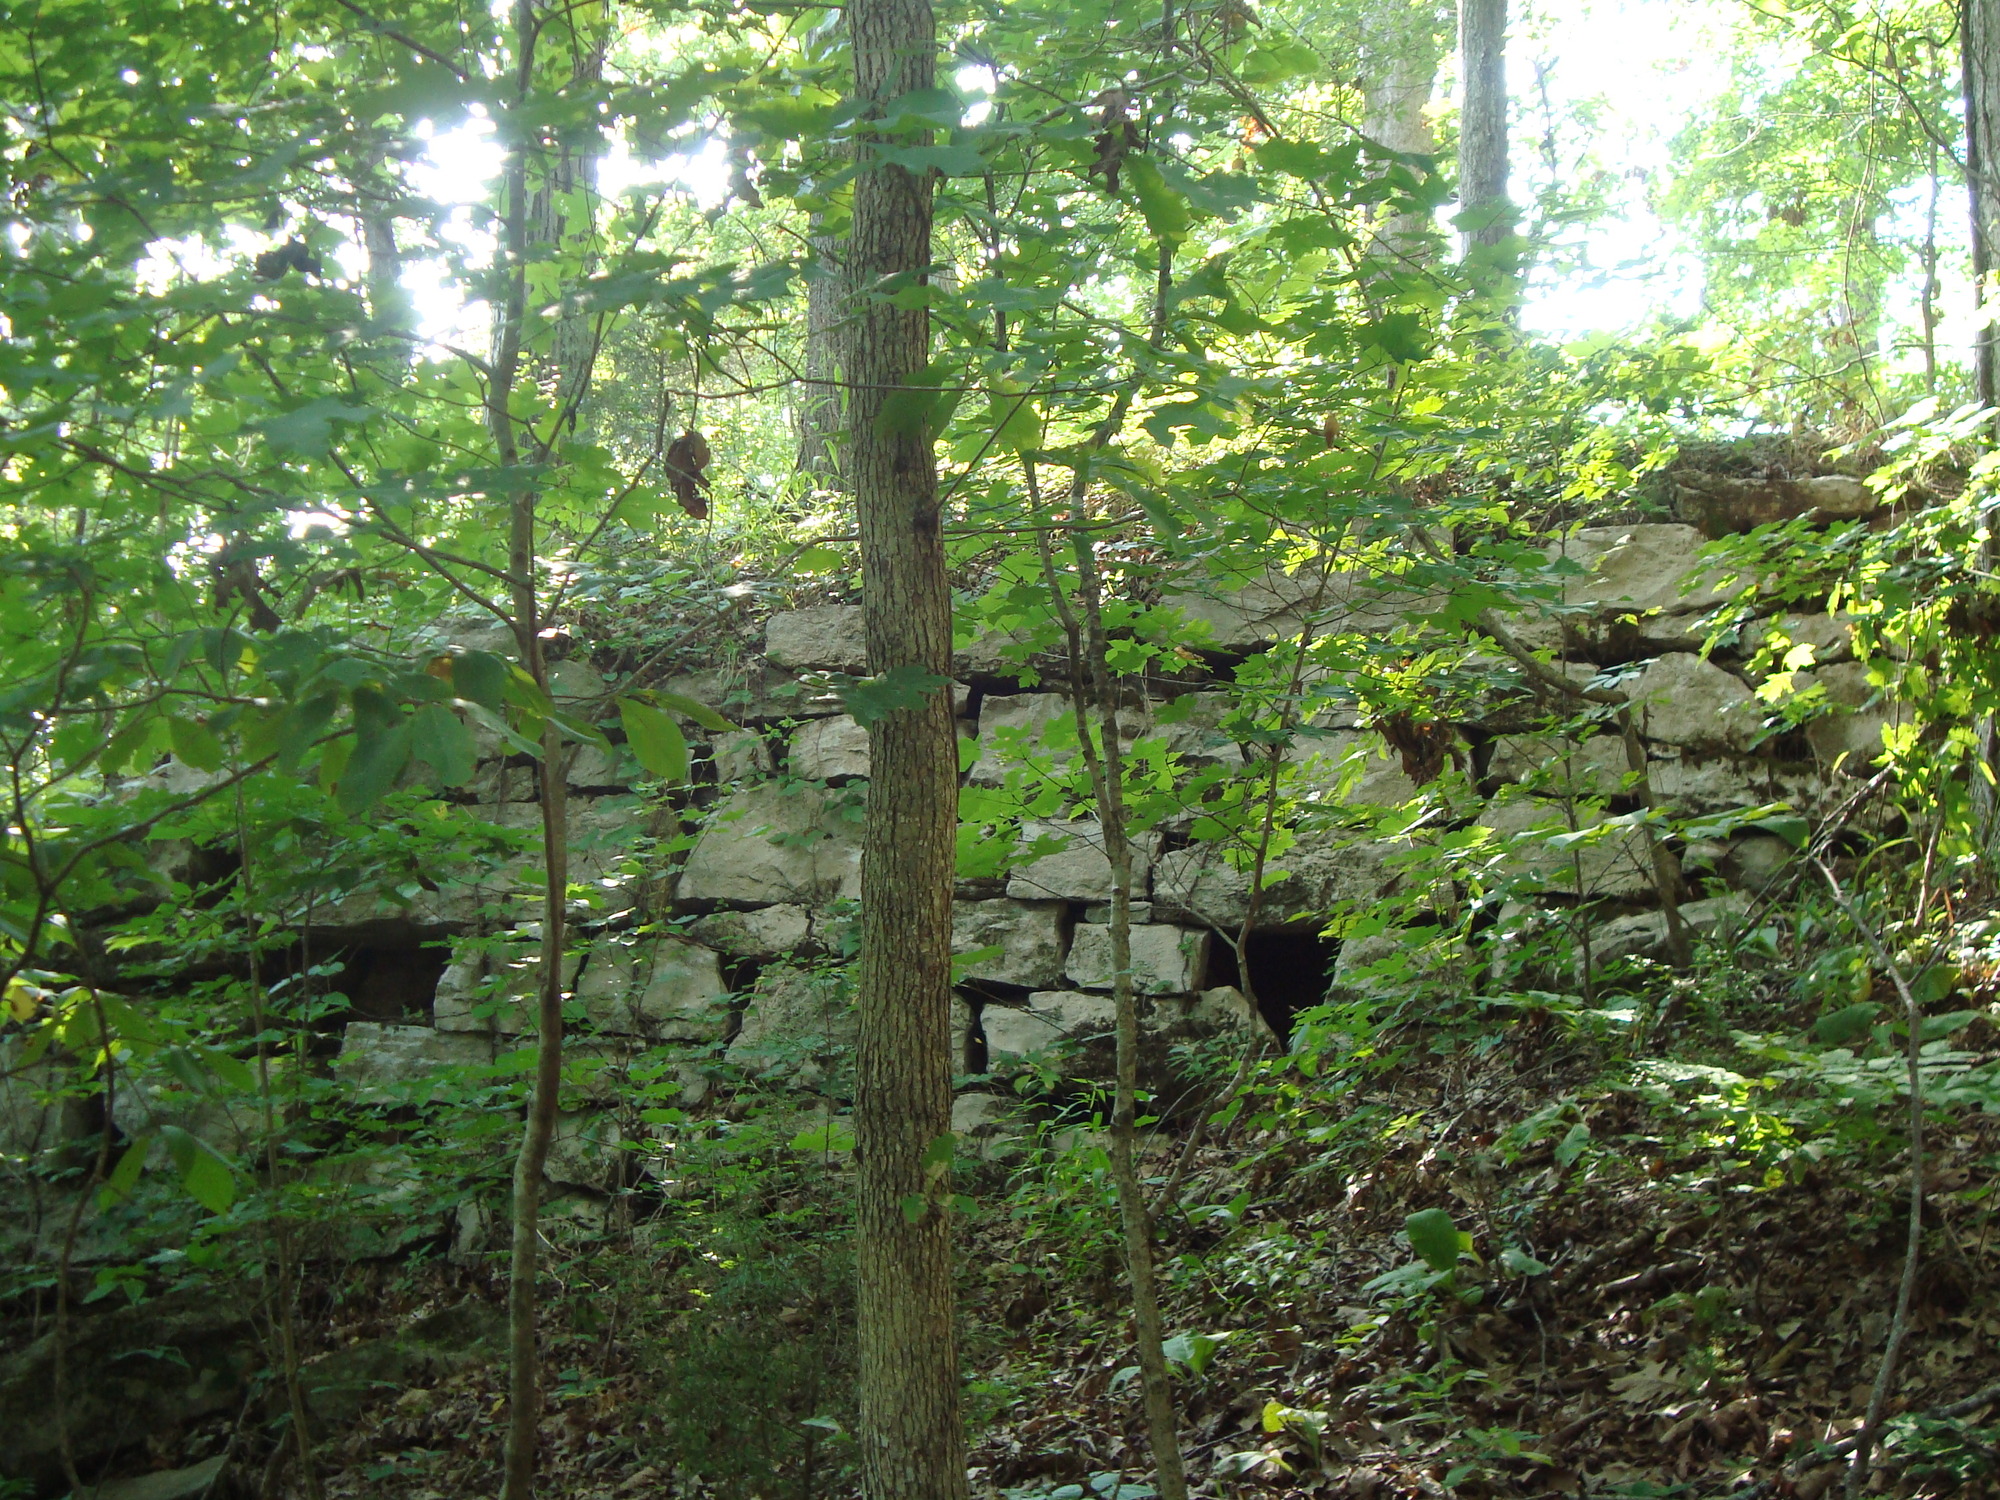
[
  {"x": 825, "y": 638},
  {"x": 384, "y": 1056},
  {"x": 1079, "y": 871},
  {"x": 1166, "y": 960},
  {"x": 774, "y": 844},
  {"x": 665, "y": 988},
  {"x": 1029, "y": 935},
  {"x": 834, "y": 750}
]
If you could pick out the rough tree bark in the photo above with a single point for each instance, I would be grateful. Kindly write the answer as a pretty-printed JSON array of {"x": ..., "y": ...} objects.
[
  {"x": 1979, "y": 44},
  {"x": 524, "y": 1392},
  {"x": 1482, "y": 123},
  {"x": 912, "y": 1439},
  {"x": 819, "y": 417},
  {"x": 1979, "y": 41},
  {"x": 1399, "y": 62}
]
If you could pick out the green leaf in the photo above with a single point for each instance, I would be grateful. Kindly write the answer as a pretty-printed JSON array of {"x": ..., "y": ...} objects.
[
  {"x": 479, "y": 676},
  {"x": 1166, "y": 211},
  {"x": 1518, "y": 1262},
  {"x": 205, "y": 1174},
  {"x": 656, "y": 740},
  {"x": 195, "y": 744},
  {"x": 914, "y": 1206},
  {"x": 439, "y": 738},
  {"x": 832, "y": 1136},
  {"x": 693, "y": 708},
  {"x": 381, "y": 750},
  {"x": 818, "y": 560},
  {"x": 1847, "y": 1023},
  {"x": 1400, "y": 336},
  {"x": 1573, "y": 1144},
  {"x": 875, "y": 698},
  {"x": 1435, "y": 1238},
  {"x": 125, "y": 1176}
]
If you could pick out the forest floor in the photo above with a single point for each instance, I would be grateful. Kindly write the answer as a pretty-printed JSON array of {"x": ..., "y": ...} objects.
[{"x": 1677, "y": 1288}]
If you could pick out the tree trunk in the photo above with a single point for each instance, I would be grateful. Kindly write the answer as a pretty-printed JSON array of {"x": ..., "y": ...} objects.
[
  {"x": 819, "y": 411},
  {"x": 1487, "y": 218},
  {"x": 524, "y": 1389},
  {"x": 1399, "y": 63},
  {"x": 912, "y": 1439},
  {"x": 1980, "y": 70}
]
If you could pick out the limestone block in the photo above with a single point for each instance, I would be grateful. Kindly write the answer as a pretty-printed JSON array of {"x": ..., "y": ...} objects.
[
  {"x": 586, "y": 1150},
  {"x": 1682, "y": 700},
  {"x": 1220, "y": 1011},
  {"x": 1645, "y": 935},
  {"x": 661, "y": 987},
  {"x": 1200, "y": 884},
  {"x": 1558, "y": 767},
  {"x": 375, "y": 1057},
  {"x": 1051, "y": 1018},
  {"x": 1029, "y": 935},
  {"x": 1079, "y": 871},
  {"x": 1135, "y": 912},
  {"x": 1615, "y": 863},
  {"x": 825, "y": 638},
  {"x": 741, "y": 755},
  {"x": 1242, "y": 614},
  {"x": 1696, "y": 786},
  {"x": 979, "y": 1114},
  {"x": 1757, "y": 861},
  {"x": 833, "y": 749},
  {"x": 777, "y": 843},
  {"x": 761, "y": 934},
  {"x": 1188, "y": 726},
  {"x": 1353, "y": 768},
  {"x": 593, "y": 768},
  {"x": 1036, "y": 731},
  {"x": 35, "y": 1113},
  {"x": 1856, "y": 718},
  {"x": 1653, "y": 572},
  {"x": 752, "y": 693},
  {"x": 1830, "y": 636},
  {"x": 1165, "y": 960},
  {"x": 576, "y": 685},
  {"x": 502, "y": 986},
  {"x": 794, "y": 1012}
]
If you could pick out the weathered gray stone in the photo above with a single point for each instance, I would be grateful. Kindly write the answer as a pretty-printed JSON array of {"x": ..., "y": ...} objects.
[
  {"x": 979, "y": 1114},
  {"x": 1036, "y": 731},
  {"x": 36, "y": 1113},
  {"x": 576, "y": 685},
  {"x": 741, "y": 755},
  {"x": 1557, "y": 767},
  {"x": 1188, "y": 727},
  {"x": 754, "y": 693},
  {"x": 1698, "y": 786},
  {"x": 795, "y": 1012},
  {"x": 1858, "y": 713},
  {"x": 1051, "y": 1018},
  {"x": 1199, "y": 884},
  {"x": 661, "y": 987},
  {"x": 1135, "y": 912},
  {"x": 379, "y": 1057},
  {"x": 1352, "y": 768},
  {"x": 596, "y": 768},
  {"x": 1614, "y": 863},
  {"x": 1645, "y": 935},
  {"x": 763, "y": 933},
  {"x": 833, "y": 749},
  {"x": 772, "y": 844},
  {"x": 1681, "y": 699},
  {"x": 825, "y": 638},
  {"x": 1830, "y": 636},
  {"x": 1272, "y": 606},
  {"x": 587, "y": 1150},
  {"x": 496, "y": 994},
  {"x": 1029, "y": 935},
  {"x": 1643, "y": 588},
  {"x": 1165, "y": 960},
  {"x": 1757, "y": 861},
  {"x": 1214, "y": 1012},
  {"x": 1079, "y": 871}
]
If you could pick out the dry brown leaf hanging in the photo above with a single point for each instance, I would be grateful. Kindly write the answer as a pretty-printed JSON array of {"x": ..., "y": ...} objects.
[
  {"x": 687, "y": 457},
  {"x": 1423, "y": 744},
  {"x": 1118, "y": 138}
]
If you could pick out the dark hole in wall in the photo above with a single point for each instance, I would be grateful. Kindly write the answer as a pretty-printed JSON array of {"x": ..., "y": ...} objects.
[
  {"x": 1288, "y": 973},
  {"x": 392, "y": 984}
]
